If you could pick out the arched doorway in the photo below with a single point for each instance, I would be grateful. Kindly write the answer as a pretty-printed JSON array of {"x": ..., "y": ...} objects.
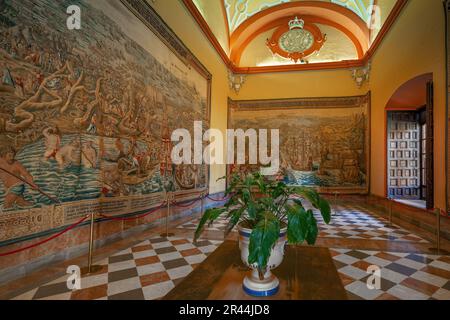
[{"x": 409, "y": 143}]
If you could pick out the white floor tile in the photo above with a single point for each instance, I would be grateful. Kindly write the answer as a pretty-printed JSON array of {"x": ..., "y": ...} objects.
[
  {"x": 123, "y": 286},
  {"x": 392, "y": 275},
  {"x": 169, "y": 256},
  {"x": 345, "y": 259},
  {"x": 150, "y": 268},
  {"x": 352, "y": 272},
  {"x": 405, "y": 293},
  {"x": 121, "y": 265},
  {"x": 158, "y": 290},
  {"x": 360, "y": 289},
  {"x": 377, "y": 261},
  {"x": 442, "y": 294},
  {"x": 429, "y": 278},
  {"x": 93, "y": 281},
  {"x": 144, "y": 254},
  {"x": 179, "y": 272}
]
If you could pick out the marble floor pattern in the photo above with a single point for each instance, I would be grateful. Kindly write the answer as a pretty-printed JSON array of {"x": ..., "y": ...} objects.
[
  {"x": 150, "y": 269},
  {"x": 147, "y": 271},
  {"x": 351, "y": 222}
]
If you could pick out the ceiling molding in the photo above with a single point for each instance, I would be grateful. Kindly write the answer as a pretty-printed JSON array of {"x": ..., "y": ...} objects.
[
  {"x": 235, "y": 55},
  {"x": 192, "y": 8},
  {"x": 341, "y": 15},
  {"x": 225, "y": 17},
  {"x": 400, "y": 4}
]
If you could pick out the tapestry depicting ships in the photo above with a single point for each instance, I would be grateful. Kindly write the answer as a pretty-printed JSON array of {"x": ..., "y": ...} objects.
[
  {"x": 324, "y": 142},
  {"x": 87, "y": 114}
]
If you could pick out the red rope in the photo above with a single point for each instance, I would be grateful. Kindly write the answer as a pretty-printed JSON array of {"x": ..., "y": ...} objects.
[
  {"x": 135, "y": 217},
  {"x": 45, "y": 240},
  {"x": 218, "y": 200},
  {"x": 185, "y": 205}
]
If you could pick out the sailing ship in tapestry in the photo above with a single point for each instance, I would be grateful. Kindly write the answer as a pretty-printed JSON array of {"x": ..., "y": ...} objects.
[
  {"x": 324, "y": 142},
  {"x": 87, "y": 114}
]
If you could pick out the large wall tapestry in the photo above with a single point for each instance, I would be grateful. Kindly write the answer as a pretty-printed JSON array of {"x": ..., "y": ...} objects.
[
  {"x": 324, "y": 142},
  {"x": 86, "y": 115}
]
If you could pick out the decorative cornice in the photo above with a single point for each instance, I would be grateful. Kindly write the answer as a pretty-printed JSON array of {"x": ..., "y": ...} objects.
[
  {"x": 298, "y": 103},
  {"x": 361, "y": 75},
  {"x": 236, "y": 81},
  {"x": 400, "y": 4}
]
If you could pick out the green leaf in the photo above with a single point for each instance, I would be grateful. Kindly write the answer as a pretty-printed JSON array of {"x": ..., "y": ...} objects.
[
  {"x": 297, "y": 224},
  {"x": 313, "y": 230},
  {"x": 325, "y": 210},
  {"x": 262, "y": 239},
  {"x": 235, "y": 216},
  {"x": 208, "y": 216},
  {"x": 317, "y": 201}
]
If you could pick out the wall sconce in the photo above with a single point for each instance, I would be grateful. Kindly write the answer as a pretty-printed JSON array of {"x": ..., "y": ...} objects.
[
  {"x": 361, "y": 75},
  {"x": 235, "y": 81}
]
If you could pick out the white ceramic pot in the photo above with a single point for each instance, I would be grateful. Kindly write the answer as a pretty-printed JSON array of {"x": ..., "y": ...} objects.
[{"x": 270, "y": 285}]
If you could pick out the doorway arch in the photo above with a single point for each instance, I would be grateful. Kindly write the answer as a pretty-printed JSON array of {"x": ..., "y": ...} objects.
[{"x": 409, "y": 143}]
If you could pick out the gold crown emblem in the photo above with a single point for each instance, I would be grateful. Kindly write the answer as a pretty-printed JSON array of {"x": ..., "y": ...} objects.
[{"x": 296, "y": 23}]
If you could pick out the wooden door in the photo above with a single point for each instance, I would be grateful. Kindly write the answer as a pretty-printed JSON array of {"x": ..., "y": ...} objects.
[{"x": 403, "y": 155}]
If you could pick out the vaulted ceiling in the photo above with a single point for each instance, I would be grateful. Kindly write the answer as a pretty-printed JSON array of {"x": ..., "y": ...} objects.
[{"x": 254, "y": 35}]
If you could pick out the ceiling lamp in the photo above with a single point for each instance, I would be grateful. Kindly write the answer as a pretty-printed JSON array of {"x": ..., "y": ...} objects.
[{"x": 296, "y": 40}]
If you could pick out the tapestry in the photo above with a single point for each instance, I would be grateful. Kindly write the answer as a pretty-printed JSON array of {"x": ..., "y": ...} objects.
[
  {"x": 324, "y": 142},
  {"x": 86, "y": 113}
]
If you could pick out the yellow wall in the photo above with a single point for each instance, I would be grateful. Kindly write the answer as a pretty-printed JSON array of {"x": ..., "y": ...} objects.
[
  {"x": 327, "y": 83},
  {"x": 183, "y": 24},
  {"x": 414, "y": 46}
]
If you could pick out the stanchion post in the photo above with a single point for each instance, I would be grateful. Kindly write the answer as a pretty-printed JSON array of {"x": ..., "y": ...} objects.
[
  {"x": 438, "y": 249},
  {"x": 91, "y": 268},
  {"x": 438, "y": 230},
  {"x": 202, "y": 195},
  {"x": 335, "y": 202},
  {"x": 390, "y": 212},
  {"x": 167, "y": 234}
]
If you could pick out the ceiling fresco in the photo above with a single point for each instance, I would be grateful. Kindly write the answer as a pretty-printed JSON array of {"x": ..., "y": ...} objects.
[
  {"x": 240, "y": 10},
  {"x": 243, "y": 28}
]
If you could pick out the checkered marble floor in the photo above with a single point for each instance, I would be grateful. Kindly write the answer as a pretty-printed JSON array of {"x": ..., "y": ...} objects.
[
  {"x": 404, "y": 276},
  {"x": 354, "y": 222},
  {"x": 218, "y": 225},
  {"x": 148, "y": 271},
  {"x": 350, "y": 222}
]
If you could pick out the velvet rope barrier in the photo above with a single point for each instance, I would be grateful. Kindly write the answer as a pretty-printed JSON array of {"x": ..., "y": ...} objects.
[
  {"x": 184, "y": 205},
  {"x": 218, "y": 200},
  {"x": 45, "y": 240},
  {"x": 135, "y": 217}
]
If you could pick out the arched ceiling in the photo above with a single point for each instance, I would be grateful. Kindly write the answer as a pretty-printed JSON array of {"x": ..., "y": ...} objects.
[
  {"x": 240, "y": 10},
  {"x": 242, "y": 29}
]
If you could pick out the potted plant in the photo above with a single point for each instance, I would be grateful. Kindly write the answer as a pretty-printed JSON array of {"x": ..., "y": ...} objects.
[{"x": 268, "y": 213}]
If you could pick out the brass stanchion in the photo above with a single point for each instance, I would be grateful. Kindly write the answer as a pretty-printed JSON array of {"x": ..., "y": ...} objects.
[
  {"x": 438, "y": 249},
  {"x": 91, "y": 268},
  {"x": 390, "y": 212},
  {"x": 438, "y": 231},
  {"x": 335, "y": 202},
  {"x": 167, "y": 234},
  {"x": 202, "y": 195}
]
